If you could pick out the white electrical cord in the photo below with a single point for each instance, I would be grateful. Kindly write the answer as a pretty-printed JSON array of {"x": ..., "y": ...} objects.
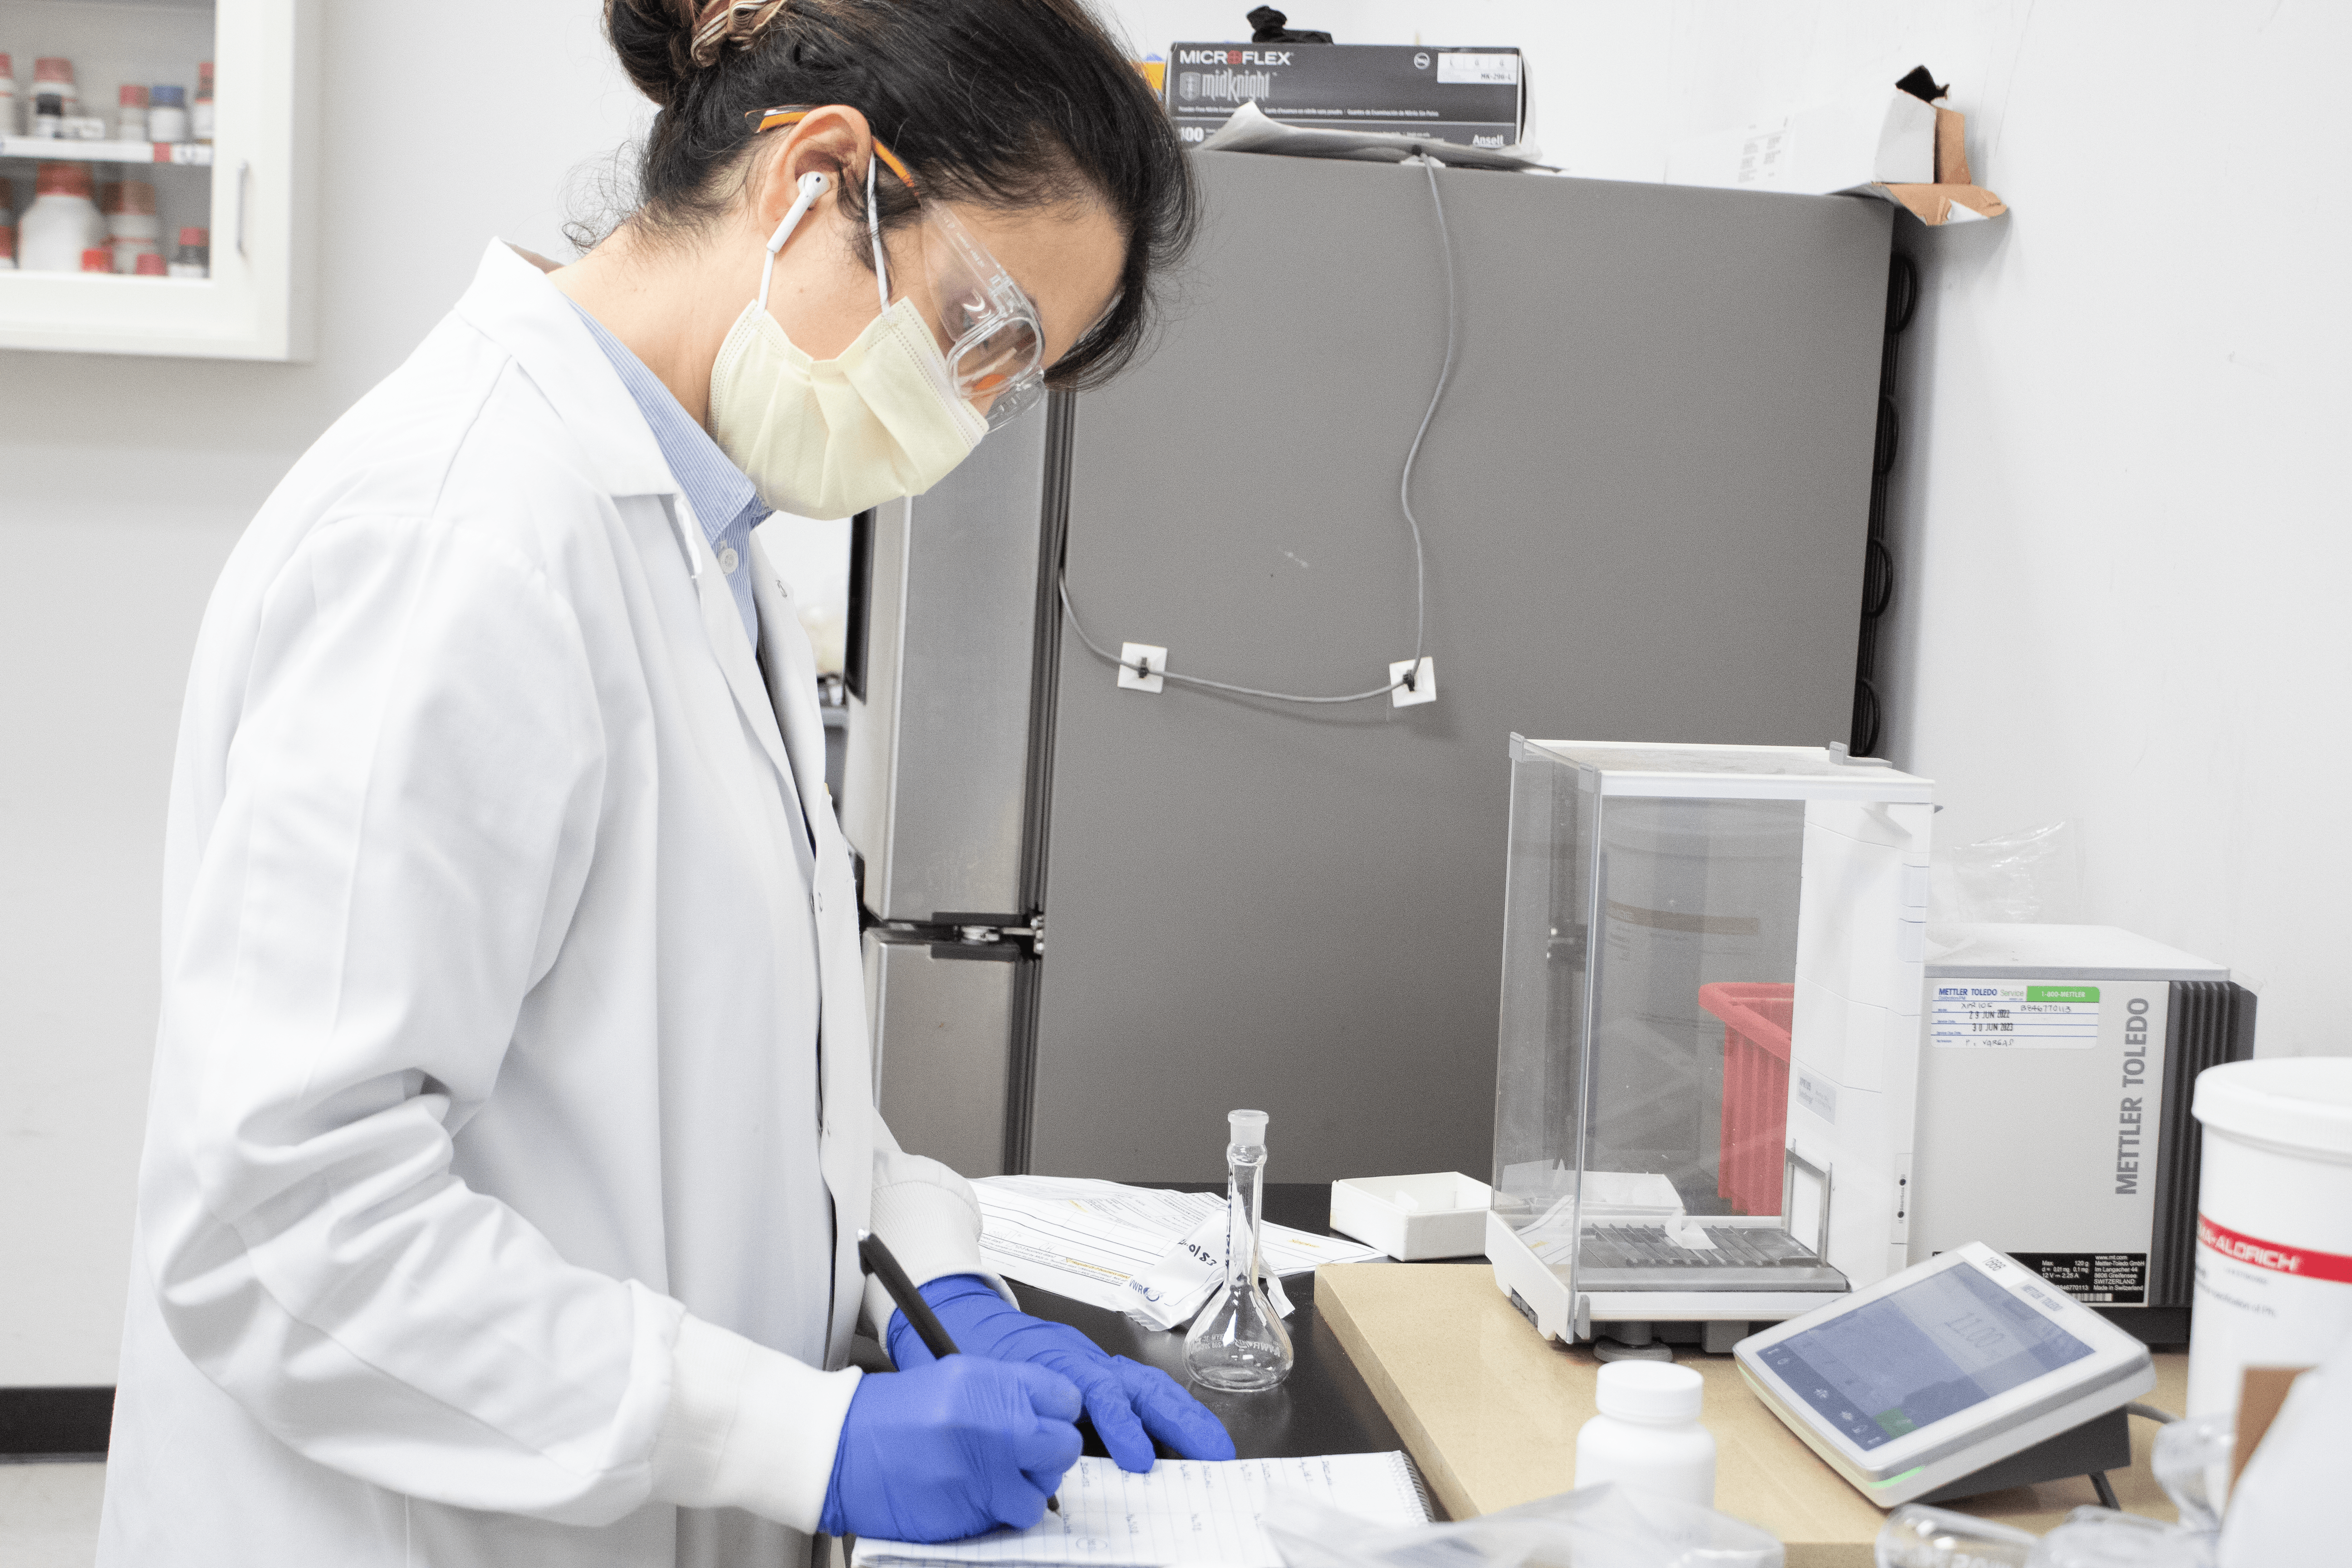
[
  {"x": 873, "y": 231},
  {"x": 1405, "y": 499}
]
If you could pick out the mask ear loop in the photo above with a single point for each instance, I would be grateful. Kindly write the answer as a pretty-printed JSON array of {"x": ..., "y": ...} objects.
[
  {"x": 873, "y": 231},
  {"x": 812, "y": 187}
]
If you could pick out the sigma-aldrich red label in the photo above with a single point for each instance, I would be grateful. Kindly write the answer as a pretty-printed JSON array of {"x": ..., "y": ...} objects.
[
  {"x": 2304, "y": 1262},
  {"x": 1469, "y": 96}
]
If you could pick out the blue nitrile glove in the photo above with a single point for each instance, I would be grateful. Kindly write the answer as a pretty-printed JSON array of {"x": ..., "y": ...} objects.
[
  {"x": 1131, "y": 1402},
  {"x": 952, "y": 1448}
]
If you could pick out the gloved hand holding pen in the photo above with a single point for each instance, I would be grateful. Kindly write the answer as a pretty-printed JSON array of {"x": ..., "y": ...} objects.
[
  {"x": 1130, "y": 1404},
  {"x": 949, "y": 1449}
]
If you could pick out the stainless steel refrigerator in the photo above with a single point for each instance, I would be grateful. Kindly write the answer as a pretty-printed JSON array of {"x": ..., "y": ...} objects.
[{"x": 1103, "y": 917}]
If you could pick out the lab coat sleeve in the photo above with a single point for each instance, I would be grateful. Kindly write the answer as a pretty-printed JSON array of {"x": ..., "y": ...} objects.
[
  {"x": 749, "y": 1428},
  {"x": 927, "y": 1216},
  {"x": 404, "y": 823}
]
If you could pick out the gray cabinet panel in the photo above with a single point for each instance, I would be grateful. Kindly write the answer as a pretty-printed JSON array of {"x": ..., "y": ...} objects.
[
  {"x": 1644, "y": 499},
  {"x": 939, "y": 745},
  {"x": 942, "y": 1025}
]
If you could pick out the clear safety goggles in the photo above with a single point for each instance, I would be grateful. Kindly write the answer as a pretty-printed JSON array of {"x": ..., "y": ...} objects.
[{"x": 991, "y": 337}]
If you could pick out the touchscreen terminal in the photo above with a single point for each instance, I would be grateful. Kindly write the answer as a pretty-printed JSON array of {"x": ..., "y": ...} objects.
[{"x": 1916, "y": 1355}]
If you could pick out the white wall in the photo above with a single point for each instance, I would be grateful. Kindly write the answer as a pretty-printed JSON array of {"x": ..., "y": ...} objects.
[
  {"x": 2118, "y": 519},
  {"x": 123, "y": 481}
]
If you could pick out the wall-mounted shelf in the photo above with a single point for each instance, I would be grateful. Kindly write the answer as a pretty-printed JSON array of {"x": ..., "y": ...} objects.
[
  {"x": 194, "y": 155},
  {"x": 253, "y": 187}
]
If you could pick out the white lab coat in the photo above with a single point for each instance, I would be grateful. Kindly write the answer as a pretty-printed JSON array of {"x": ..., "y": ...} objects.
[{"x": 513, "y": 1120}]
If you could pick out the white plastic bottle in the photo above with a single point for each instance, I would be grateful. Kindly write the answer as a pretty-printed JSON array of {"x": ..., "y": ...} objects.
[
  {"x": 133, "y": 229},
  {"x": 167, "y": 113},
  {"x": 193, "y": 258},
  {"x": 1647, "y": 1435},
  {"x": 62, "y": 222},
  {"x": 55, "y": 98},
  {"x": 130, "y": 116}
]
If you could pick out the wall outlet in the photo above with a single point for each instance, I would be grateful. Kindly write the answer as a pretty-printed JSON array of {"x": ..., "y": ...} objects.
[
  {"x": 1423, "y": 687},
  {"x": 1134, "y": 657}
]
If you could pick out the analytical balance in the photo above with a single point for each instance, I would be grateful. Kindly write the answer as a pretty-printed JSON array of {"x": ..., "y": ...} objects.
[{"x": 1710, "y": 1032}]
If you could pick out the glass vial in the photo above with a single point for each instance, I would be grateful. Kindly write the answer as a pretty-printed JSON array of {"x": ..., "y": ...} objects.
[{"x": 1238, "y": 1342}]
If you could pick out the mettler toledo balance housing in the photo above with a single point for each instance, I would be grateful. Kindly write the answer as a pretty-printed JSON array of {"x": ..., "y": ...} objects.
[
  {"x": 2078, "y": 1048},
  {"x": 1710, "y": 1034}
]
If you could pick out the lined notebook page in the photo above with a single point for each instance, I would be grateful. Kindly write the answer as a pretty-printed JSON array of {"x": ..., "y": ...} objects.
[{"x": 1181, "y": 1511}]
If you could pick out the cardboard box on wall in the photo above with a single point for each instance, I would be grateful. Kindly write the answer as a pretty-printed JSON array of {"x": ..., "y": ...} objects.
[{"x": 1475, "y": 97}]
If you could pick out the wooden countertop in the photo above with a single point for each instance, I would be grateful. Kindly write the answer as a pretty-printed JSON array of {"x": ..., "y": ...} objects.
[{"x": 1489, "y": 1410}]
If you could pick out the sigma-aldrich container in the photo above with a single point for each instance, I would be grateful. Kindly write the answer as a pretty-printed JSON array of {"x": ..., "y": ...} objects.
[{"x": 1710, "y": 1033}]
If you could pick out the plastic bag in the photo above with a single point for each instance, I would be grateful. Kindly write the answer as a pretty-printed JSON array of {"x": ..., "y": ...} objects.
[
  {"x": 2027, "y": 875},
  {"x": 1917, "y": 1536},
  {"x": 1607, "y": 1526},
  {"x": 2103, "y": 1538},
  {"x": 2191, "y": 1461}
]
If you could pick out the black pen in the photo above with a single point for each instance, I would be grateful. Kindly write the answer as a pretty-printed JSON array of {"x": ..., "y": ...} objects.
[{"x": 878, "y": 1262}]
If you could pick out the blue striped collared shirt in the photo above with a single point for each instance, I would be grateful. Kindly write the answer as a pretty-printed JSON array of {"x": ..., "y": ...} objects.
[{"x": 723, "y": 498}]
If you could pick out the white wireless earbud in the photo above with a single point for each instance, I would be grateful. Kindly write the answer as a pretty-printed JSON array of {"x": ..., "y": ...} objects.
[{"x": 811, "y": 186}]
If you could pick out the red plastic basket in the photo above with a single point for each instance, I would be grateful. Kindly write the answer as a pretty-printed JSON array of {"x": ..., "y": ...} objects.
[{"x": 1755, "y": 1023}]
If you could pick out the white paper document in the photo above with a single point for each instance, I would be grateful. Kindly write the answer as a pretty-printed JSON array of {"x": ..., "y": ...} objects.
[
  {"x": 1086, "y": 1240},
  {"x": 1180, "y": 1512}
]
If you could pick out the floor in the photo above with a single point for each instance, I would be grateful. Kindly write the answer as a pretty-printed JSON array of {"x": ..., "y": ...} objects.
[{"x": 48, "y": 1514}]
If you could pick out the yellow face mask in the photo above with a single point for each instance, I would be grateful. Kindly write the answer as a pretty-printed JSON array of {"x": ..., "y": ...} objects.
[{"x": 831, "y": 437}]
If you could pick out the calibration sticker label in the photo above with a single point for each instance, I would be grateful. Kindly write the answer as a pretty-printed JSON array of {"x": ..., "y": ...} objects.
[
  {"x": 2093, "y": 1278},
  {"x": 2009, "y": 1015}
]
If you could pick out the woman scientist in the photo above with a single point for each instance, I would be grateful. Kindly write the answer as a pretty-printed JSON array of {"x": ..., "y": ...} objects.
[{"x": 512, "y": 1125}]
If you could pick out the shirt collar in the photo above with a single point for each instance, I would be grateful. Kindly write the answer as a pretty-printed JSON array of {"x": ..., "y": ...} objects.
[{"x": 718, "y": 492}]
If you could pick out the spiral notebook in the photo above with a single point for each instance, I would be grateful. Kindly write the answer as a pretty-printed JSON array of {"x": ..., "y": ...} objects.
[{"x": 1181, "y": 1511}]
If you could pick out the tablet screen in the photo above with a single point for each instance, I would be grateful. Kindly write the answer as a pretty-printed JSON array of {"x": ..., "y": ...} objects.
[{"x": 1953, "y": 1340}]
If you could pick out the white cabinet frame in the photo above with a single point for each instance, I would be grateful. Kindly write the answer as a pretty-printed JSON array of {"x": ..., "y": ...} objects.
[{"x": 258, "y": 303}]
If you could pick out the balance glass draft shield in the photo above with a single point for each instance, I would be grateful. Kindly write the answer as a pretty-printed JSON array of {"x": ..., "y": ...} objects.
[{"x": 1711, "y": 990}]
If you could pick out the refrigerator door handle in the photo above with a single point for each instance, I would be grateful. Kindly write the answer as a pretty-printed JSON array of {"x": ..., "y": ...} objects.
[{"x": 861, "y": 596}]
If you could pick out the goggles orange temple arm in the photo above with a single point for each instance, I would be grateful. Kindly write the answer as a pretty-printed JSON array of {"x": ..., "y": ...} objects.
[{"x": 772, "y": 117}]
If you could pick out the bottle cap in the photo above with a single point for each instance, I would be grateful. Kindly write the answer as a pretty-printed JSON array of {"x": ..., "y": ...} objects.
[
  {"x": 168, "y": 95},
  {"x": 195, "y": 236},
  {"x": 138, "y": 196},
  {"x": 110, "y": 196},
  {"x": 61, "y": 179},
  {"x": 1649, "y": 1391},
  {"x": 97, "y": 259},
  {"x": 151, "y": 264},
  {"x": 204, "y": 79},
  {"x": 1245, "y": 1129},
  {"x": 8, "y": 73},
  {"x": 131, "y": 95},
  {"x": 53, "y": 68}
]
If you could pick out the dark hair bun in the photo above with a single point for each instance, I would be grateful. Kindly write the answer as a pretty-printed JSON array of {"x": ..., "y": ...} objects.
[
  {"x": 655, "y": 41},
  {"x": 1064, "y": 117}
]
